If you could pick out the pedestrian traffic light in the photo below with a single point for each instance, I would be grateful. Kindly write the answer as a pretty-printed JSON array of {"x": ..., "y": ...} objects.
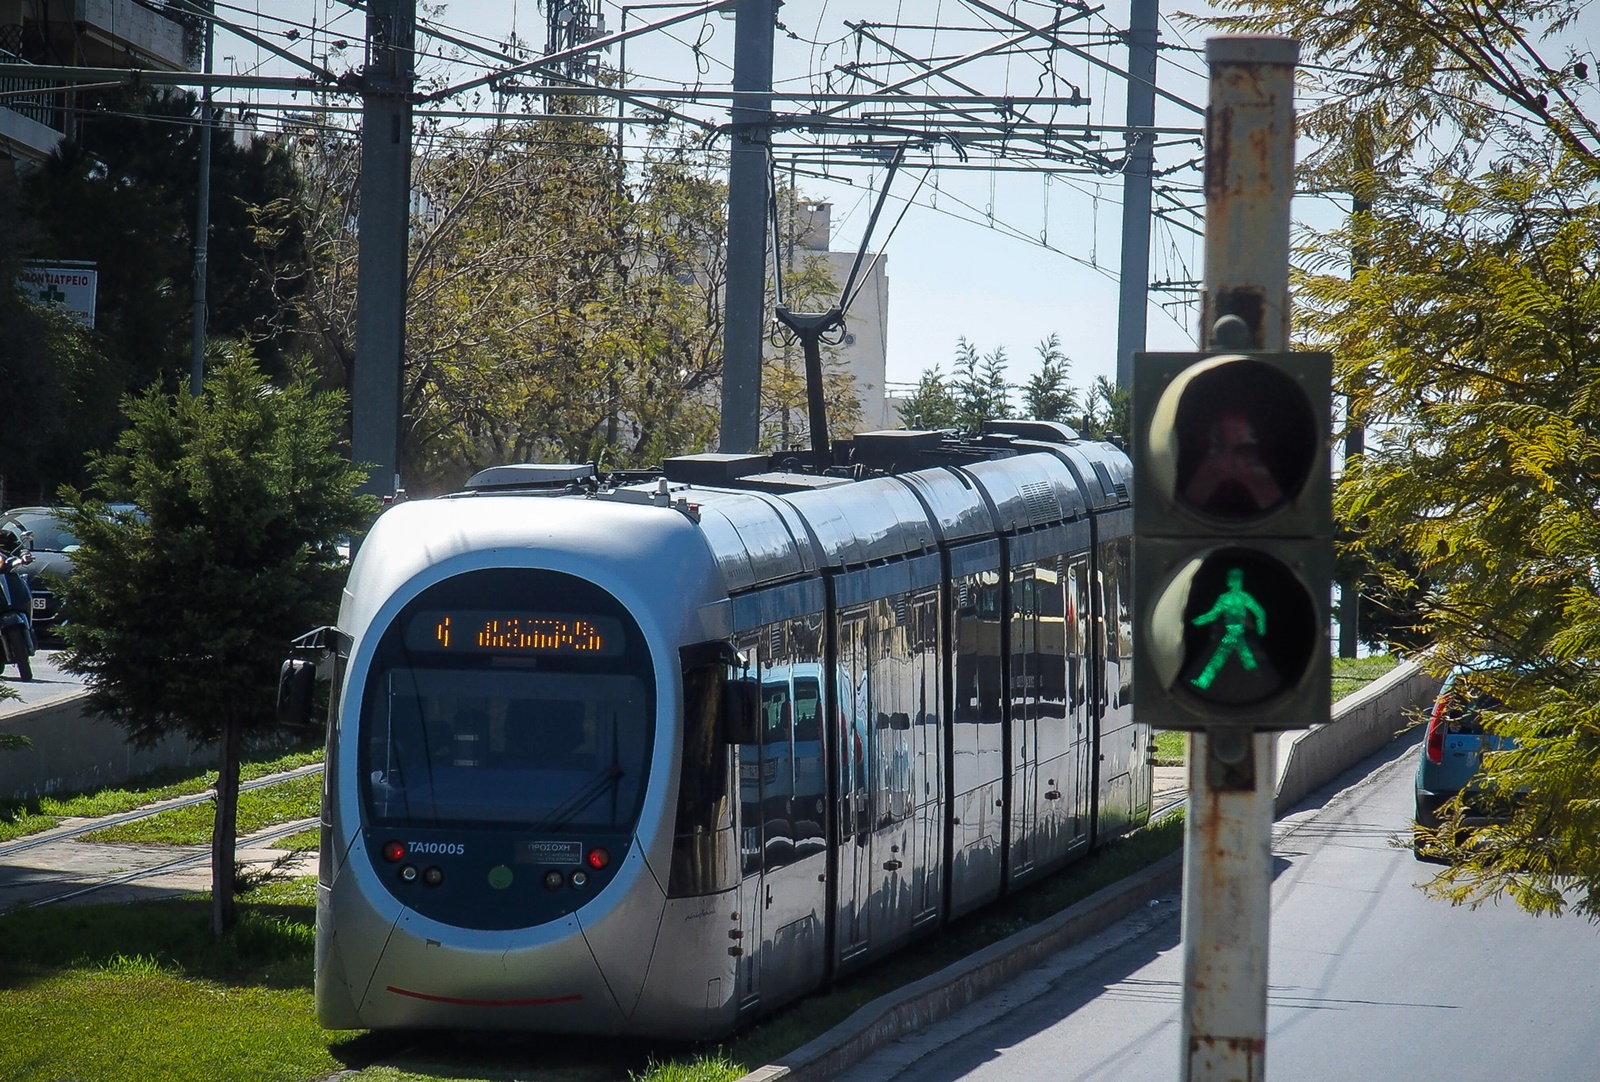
[{"x": 1232, "y": 539}]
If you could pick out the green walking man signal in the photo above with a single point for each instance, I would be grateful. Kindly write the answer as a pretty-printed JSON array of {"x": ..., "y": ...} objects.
[
  {"x": 1232, "y": 533},
  {"x": 1232, "y": 607}
]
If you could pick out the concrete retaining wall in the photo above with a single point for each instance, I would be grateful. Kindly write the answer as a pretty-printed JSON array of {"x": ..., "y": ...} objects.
[
  {"x": 1362, "y": 723},
  {"x": 73, "y": 750}
]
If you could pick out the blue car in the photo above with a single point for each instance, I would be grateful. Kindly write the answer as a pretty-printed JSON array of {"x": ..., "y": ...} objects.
[{"x": 1452, "y": 756}]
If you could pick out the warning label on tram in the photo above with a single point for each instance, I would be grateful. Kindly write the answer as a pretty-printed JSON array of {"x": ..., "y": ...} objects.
[{"x": 550, "y": 853}]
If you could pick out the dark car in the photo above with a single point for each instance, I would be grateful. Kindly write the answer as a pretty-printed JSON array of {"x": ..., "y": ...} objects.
[
  {"x": 53, "y": 545},
  {"x": 1452, "y": 756}
]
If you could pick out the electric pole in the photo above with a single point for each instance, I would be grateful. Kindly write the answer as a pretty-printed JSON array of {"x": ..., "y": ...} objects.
[
  {"x": 745, "y": 297},
  {"x": 1134, "y": 286},
  {"x": 386, "y": 85}
]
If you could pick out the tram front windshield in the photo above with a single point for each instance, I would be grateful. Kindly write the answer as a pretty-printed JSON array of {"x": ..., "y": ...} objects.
[{"x": 484, "y": 711}]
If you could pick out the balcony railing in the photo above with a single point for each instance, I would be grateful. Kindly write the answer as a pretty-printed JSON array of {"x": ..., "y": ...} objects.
[{"x": 37, "y": 99}]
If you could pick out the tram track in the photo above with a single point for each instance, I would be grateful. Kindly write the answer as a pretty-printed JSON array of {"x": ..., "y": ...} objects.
[
  {"x": 187, "y": 860},
  {"x": 69, "y": 879},
  {"x": 67, "y": 832}
]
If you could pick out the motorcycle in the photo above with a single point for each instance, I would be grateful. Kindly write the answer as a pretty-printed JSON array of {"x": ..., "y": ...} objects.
[{"x": 17, "y": 642}]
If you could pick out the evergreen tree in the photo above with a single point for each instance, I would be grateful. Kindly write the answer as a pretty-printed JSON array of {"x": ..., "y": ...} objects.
[
  {"x": 980, "y": 388},
  {"x": 183, "y": 609},
  {"x": 932, "y": 405},
  {"x": 1048, "y": 396}
]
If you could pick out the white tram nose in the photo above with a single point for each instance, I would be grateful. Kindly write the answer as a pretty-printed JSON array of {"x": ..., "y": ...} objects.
[{"x": 555, "y": 987}]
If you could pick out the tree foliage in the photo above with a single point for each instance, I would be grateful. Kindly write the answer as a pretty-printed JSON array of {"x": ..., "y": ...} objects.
[
  {"x": 559, "y": 306},
  {"x": 182, "y": 609},
  {"x": 978, "y": 391},
  {"x": 123, "y": 196},
  {"x": 1048, "y": 396},
  {"x": 932, "y": 405},
  {"x": 1462, "y": 305}
]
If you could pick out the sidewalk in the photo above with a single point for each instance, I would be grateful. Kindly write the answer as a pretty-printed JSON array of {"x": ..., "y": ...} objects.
[{"x": 49, "y": 682}]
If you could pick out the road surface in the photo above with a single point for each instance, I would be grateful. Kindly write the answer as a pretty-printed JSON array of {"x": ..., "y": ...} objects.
[{"x": 1370, "y": 978}]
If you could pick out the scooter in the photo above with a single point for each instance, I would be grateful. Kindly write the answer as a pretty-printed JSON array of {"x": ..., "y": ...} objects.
[{"x": 17, "y": 642}]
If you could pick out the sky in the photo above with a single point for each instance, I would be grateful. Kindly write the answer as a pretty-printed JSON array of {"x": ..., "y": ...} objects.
[{"x": 1004, "y": 260}]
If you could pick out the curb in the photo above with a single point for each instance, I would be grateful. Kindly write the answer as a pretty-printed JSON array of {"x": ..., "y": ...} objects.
[{"x": 941, "y": 994}]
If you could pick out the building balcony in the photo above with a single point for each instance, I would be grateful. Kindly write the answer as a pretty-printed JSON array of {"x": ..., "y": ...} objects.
[{"x": 94, "y": 33}]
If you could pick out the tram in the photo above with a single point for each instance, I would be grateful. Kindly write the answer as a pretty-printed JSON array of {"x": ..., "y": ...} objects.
[{"x": 654, "y": 754}]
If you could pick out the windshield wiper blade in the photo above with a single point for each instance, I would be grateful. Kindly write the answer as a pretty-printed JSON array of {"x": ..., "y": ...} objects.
[{"x": 568, "y": 809}]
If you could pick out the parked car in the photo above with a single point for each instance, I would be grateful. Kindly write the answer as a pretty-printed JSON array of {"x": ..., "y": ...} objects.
[
  {"x": 1452, "y": 756},
  {"x": 53, "y": 545}
]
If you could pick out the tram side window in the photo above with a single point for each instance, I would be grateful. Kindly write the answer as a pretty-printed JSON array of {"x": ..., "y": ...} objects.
[
  {"x": 777, "y": 753},
  {"x": 810, "y": 777},
  {"x": 893, "y": 697},
  {"x": 1118, "y": 623},
  {"x": 1077, "y": 635},
  {"x": 703, "y": 843}
]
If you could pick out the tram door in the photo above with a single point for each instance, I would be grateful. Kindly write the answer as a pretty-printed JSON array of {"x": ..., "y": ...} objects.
[
  {"x": 1024, "y": 715},
  {"x": 794, "y": 856},
  {"x": 781, "y": 794},
  {"x": 747, "y": 948},
  {"x": 853, "y": 837},
  {"x": 1081, "y": 717}
]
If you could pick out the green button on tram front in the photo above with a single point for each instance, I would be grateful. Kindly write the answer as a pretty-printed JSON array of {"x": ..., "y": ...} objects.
[{"x": 500, "y": 877}]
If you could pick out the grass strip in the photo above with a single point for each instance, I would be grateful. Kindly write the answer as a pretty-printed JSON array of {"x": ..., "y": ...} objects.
[
  {"x": 141, "y": 993},
  {"x": 268, "y": 806}
]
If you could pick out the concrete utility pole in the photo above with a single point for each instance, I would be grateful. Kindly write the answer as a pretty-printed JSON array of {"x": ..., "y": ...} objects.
[
  {"x": 1134, "y": 288},
  {"x": 1227, "y": 871},
  {"x": 202, "y": 229},
  {"x": 745, "y": 298},
  {"x": 386, "y": 86}
]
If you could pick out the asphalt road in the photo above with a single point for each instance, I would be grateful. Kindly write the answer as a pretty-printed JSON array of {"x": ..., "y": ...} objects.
[
  {"x": 49, "y": 682},
  {"x": 1370, "y": 978}
]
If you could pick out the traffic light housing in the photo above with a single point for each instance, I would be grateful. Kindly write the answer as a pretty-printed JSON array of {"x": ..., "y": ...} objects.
[{"x": 1232, "y": 539}]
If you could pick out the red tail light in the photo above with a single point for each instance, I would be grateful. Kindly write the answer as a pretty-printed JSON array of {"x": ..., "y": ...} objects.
[{"x": 1436, "y": 730}]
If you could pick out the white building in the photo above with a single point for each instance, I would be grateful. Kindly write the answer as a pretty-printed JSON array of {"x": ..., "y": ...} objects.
[{"x": 865, "y": 349}]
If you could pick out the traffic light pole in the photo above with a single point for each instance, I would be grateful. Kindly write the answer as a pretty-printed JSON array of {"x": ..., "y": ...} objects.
[{"x": 1227, "y": 875}]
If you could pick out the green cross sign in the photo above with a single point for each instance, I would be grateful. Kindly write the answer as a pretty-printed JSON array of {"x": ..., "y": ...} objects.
[{"x": 51, "y": 296}]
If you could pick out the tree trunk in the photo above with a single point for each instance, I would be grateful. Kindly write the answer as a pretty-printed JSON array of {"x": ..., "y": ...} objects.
[{"x": 224, "y": 830}]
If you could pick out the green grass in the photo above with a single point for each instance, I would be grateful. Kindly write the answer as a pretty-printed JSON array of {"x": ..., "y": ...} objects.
[
  {"x": 270, "y": 805},
  {"x": 42, "y": 813},
  {"x": 140, "y": 993},
  {"x": 1172, "y": 747},
  {"x": 1352, "y": 674}
]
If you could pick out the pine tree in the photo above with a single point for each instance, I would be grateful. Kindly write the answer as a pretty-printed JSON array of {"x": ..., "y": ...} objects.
[{"x": 183, "y": 608}]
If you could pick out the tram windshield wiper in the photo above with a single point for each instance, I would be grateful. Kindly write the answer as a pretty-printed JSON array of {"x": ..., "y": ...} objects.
[{"x": 601, "y": 782}]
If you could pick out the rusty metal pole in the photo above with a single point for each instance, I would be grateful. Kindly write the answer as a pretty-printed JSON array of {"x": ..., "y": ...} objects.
[{"x": 1227, "y": 872}]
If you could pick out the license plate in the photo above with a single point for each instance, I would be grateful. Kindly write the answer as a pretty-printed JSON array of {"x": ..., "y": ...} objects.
[{"x": 39, "y": 603}]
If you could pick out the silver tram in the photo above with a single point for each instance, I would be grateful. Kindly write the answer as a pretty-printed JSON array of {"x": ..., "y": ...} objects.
[{"x": 654, "y": 757}]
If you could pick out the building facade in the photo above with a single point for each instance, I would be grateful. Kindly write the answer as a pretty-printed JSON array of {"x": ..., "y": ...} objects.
[{"x": 36, "y": 113}]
